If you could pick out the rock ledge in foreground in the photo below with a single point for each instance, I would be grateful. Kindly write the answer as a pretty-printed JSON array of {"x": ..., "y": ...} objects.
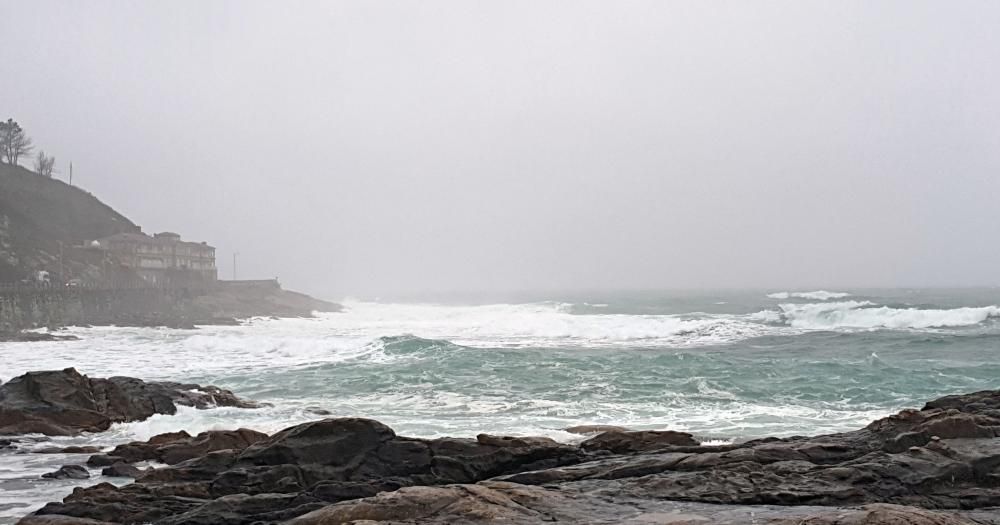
[{"x": 935, "y": 466}]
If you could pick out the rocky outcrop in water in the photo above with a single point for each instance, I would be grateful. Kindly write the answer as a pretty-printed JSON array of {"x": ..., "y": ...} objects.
[
  {"x": 935, "y": 466},
  {"x": 34, "y": 337},
  {"x": 68, "y": 472},
  {"x": 65, "y": 402}
]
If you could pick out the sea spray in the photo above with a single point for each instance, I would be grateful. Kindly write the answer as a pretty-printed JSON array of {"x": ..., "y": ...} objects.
[{"x": 726, "y": 367}]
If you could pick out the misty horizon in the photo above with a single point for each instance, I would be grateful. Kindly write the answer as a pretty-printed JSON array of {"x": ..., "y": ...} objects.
[{"x": 444, "y": 148}]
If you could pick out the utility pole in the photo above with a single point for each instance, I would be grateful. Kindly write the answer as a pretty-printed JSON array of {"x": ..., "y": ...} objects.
[
  {"x": 70, "y": 173},
  {"x": 234, "y": 264}
]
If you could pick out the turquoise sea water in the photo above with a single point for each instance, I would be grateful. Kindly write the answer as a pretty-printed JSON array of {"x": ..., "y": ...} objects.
[{"x": 723, "y": 365}]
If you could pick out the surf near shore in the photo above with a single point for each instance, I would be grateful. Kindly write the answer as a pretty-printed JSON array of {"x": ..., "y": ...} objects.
[{"x": 934, "y": 465}]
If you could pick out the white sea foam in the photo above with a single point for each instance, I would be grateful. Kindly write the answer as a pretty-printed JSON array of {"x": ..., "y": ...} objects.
[
  {"x": 223, "y": 351},
  {"x": 818, "y": 295},
  {"x": 541, "y": 324},
  {"x": 863, "y": 314},
  {"x": 350, "y": 364}
]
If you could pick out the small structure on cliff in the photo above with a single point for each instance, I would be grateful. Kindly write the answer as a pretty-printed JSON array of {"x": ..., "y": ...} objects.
[{"x": 163, "y": 259}]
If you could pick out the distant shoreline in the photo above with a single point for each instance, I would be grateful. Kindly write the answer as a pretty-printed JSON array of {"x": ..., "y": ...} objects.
[{"x": 222, "y": 304}]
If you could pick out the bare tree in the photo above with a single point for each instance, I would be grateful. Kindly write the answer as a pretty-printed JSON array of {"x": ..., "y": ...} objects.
[
  {"x": 44, "y": 165},
  {"x": 13, "y": 142}
]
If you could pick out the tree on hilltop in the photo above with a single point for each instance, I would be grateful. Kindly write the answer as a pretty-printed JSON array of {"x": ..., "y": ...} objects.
[
  {"x": 14, "y": 142},
  {"x": 44, "y": 164}
]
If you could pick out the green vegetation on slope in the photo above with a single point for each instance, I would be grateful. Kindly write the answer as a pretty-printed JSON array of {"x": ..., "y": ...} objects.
[{"x": 38, "y": 213}]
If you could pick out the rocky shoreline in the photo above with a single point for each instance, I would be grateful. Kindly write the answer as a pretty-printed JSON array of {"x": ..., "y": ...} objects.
[
  {"x": 939, "y": 465},
  {"x": 223, "y": 304}
]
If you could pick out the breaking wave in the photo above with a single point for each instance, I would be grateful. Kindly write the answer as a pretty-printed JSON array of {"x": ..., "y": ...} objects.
[
  {"x": 430, "y": 370},
  {"x": 542, "y": 325},
  {"x": 864, "y": 314},
  {"x": 818, "y": 295}
]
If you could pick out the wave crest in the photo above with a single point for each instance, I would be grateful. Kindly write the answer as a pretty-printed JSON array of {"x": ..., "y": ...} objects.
[
  {"x": 548, "y": 324},
  {"x": 818, "y": 295},
  {"x": 863, "y": 314},
  {"x": 408, "y": 344}
]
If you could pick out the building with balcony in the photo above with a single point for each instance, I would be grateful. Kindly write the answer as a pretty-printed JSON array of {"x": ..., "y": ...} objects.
[{"x": 163, "y": 259}]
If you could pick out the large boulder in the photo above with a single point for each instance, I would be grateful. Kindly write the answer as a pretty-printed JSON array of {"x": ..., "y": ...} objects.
[
  {"x": 121, "y": 470},
  {"x": 68, "y": 472},
  {"x": 624, "y": 442},
  {"x": 594, "y": 429},
  {"x": 65, "y": 402}
]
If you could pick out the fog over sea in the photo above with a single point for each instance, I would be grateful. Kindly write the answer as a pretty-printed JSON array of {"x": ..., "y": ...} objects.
[{"x": 722, "y": 365}]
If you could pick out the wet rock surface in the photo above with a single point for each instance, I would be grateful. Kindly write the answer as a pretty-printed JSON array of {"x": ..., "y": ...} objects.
[
  {"x": 594, "y": 429},
  {"x": 939, "y": 465},
  {"x": 300, "y": 469},
  {"x": 33, "y": 337},
  {"x": 121, "y": 470},
  {"x": 175, "y": 447},
  {"x": 68, "y": 472},
  {"x": 65, "y": 402},
  {"x": 496, "y": 502},
  {"x": 68, "y": 450},
  {"x": 624, "y": 442}
]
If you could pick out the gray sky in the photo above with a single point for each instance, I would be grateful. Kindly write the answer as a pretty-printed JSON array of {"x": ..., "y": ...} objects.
[{"x": 358, "y": 148}]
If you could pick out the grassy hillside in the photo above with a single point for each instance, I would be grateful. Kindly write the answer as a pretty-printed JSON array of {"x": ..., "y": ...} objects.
[{"x": 36, "y": 213}]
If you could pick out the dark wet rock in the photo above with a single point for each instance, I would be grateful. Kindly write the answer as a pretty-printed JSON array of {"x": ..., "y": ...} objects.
[
  {"x": 210, "y": 441},
  {"x": 939, "y": 465},
  {"x": 68, "y": 472},
  {"x": 353, "y": 449},
  {"x": 56, "y": 519},
  {"x": 129, "y": 504},
  {"x": 68, "y": 450},
  {"x": 33, "y": 337},
  {"x": 65, "y": 402},
  {"x": 638, "y": 441},
  {"x": 243, "y": 508},
  {"x": 103, "y": 460},
  {"x": 176, "y": 447},
  {"x": 463, "y": 502},
  {"x": 121, "y": 470},
  {"x": 509, "y": 503},
  {"x": 507, "y": 441},
  {"x": 594, "y": 429},
  {"x": 217, "y": 321},
  {"x": 313, "y": 464}
]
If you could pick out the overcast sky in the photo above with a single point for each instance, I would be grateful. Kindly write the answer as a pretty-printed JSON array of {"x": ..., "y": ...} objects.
[{"x": 365, "y": 148}]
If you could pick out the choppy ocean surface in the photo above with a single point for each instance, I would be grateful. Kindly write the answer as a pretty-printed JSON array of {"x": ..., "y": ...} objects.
[{"x": 727, "y": 365}]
